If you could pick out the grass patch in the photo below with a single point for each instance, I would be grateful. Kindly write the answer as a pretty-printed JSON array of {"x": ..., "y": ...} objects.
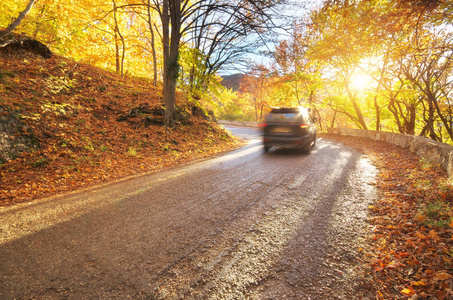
[{"x": 436, "y": 214}]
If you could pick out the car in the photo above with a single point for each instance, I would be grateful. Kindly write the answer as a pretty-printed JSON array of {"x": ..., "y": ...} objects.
[{"x": 289, "y": 127}]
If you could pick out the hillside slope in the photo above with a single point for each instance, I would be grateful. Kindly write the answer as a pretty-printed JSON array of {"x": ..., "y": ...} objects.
[
  {"x": 65, "y": 125},
  {"x": 232, "y": 81}
]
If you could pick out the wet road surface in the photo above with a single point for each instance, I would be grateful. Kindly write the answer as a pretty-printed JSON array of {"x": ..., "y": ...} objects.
[{"x": 245, "y": 225}]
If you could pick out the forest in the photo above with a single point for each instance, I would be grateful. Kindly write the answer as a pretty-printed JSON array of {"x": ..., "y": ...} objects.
[
  {"x": 375, "y": 65},
  {"x": 128, "y": 87}
]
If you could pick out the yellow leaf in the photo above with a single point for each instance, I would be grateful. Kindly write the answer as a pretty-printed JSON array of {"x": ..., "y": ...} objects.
[
  {"x": 421, "y": 282},
  {"x": 408, "y": 292}
]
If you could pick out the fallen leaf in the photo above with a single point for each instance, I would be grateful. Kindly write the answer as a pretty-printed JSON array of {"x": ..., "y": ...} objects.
[
  {"x": 417, "y": 283},
  {"x": 441, "y": 295},
  {"x": 420, "y": 236},
  {"x": 408, "y": 292},
  {"x": 442, "y": 276},
  {"x": 433, "y": 234}
]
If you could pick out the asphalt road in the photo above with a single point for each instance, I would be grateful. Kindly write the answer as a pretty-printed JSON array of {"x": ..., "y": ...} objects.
[{"x": 247, "y": 224}]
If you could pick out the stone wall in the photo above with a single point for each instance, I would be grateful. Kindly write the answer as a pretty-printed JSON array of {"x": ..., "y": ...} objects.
[
  {"x": 434, "y": 152},
  {"x": 239, "y": 123}
]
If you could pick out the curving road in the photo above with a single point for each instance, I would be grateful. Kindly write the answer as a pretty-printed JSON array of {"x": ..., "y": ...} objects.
[{"x": 243, "y": 225}]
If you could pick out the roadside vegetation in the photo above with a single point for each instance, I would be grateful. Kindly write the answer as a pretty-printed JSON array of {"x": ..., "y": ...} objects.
[
  {"x": 78, "y": 126},
  {"x": 124, "y": 103},
  {"x": 410, "y": 252}
]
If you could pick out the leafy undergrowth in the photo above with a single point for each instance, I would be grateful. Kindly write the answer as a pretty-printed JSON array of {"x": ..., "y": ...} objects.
[
  {"x": 411, "y": 247},
  {"x": 88, "y": 126}
]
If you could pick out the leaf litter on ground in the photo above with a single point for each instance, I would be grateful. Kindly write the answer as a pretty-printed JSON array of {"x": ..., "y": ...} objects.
[
  {"x": 410, "y": 249},
  {"x": 92, "y": 127}
]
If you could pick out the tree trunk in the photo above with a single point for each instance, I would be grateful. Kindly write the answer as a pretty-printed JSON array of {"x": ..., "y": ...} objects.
[
  {"x": 392, "y": 108},
  {"x": 256, "y": 109},
  {"x": 332, "y": 123},
  {"x": 18, "y": 20},
  {"x": 153, "y": 44},
  {"x": 378, "y": 114},
  {"x": 153, "y": 47},
  {"x": 117, "y": 54},
  {"x": 430, "y": 121},
  {"x": 410, "y": 124},
  {"x": 357, "y": 109},
  {"x": 171, "y": 13},
  {"x": 166, "y": 52},
  {"x": 119, "y": 64},
  {"x": 38, "y": 25}
]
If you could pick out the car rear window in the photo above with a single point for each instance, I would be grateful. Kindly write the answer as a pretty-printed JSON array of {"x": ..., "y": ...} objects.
[{"x": 287, "y": 115}]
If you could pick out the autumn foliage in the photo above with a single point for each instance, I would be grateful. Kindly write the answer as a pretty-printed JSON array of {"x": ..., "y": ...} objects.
[
  {"x": 91, "y": 126},
  {"x": 411, "y": 224}
]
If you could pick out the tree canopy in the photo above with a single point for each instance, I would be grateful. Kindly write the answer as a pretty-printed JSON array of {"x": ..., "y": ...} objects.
[{"x": 382, "y": 65}]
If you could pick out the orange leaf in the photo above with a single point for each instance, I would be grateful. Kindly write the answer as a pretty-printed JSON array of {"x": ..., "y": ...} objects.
[
  {"x": 391, "y": 266},
  {"x": 441, "y": 295},
  {"x": 420, "y": 218},
  {"x": 433, "y": 234},
  {"x": 420, "y": 236},
  {"x": 442, "y": 276}
]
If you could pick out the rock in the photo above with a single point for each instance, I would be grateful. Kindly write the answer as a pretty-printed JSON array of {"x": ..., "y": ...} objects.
[
  {"x": 27, "y": 44},
  {"x": 15, "y": 137}
]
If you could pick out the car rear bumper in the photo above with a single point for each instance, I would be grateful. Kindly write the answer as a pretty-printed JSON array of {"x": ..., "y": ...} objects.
[{"x": 269, "y": 141}]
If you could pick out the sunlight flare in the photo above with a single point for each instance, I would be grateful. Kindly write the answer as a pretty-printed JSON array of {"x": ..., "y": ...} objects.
[{"x": 360, "y": 82}]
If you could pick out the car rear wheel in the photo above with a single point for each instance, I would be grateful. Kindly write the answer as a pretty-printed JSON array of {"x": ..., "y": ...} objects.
[{"x": 307, "y": 148}]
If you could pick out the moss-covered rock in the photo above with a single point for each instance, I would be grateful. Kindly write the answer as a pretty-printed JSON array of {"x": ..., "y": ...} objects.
[{"x": 15, "y": 136}]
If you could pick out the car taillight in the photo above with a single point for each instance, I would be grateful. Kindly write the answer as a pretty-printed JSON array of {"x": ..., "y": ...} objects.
[
  {"x": 262, "y": 125},
  {"x": 304, "y": 126}
]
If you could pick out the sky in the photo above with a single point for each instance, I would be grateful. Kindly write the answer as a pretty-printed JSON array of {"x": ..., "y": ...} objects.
[{"x": 296, "y": 9}]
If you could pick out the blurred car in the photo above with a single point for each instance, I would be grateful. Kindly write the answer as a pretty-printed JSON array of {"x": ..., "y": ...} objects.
[{"x": 289, "y": 126}]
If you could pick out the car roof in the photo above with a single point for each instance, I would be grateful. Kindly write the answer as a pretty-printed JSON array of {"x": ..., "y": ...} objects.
[{"x": 287, "y": 110}]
